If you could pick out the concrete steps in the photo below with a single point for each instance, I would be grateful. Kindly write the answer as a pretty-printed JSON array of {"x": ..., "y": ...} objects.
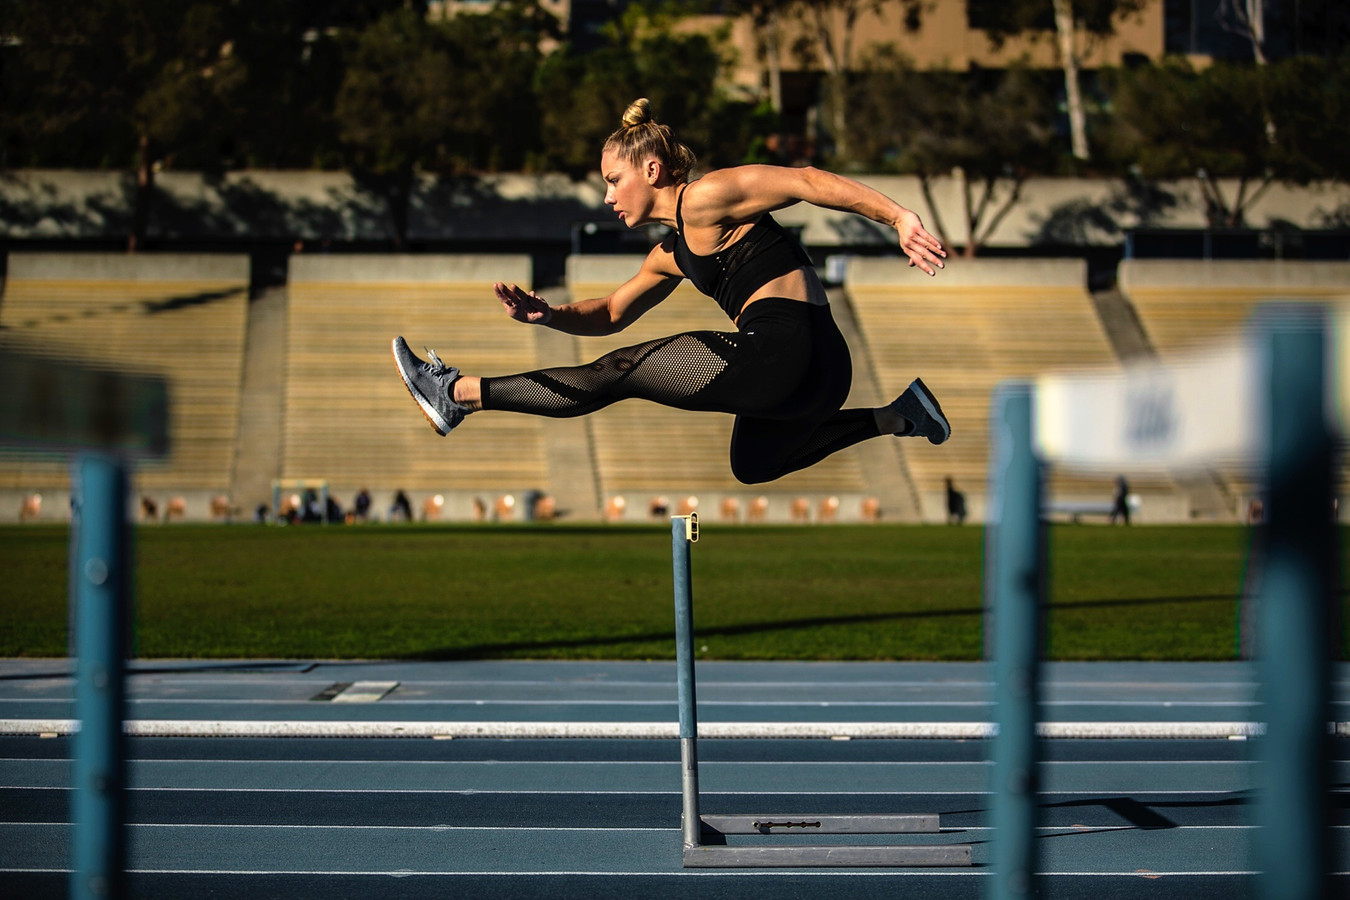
[{"x": 257, "y": 458}]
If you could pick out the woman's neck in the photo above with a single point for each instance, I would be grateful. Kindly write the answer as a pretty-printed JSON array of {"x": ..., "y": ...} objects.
[{"x": 666, "y": 202}]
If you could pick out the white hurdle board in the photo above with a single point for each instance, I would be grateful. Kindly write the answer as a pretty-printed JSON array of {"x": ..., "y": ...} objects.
[
  {"x": 1186, "y": 413},
  {"x": 1182, "y": 413}
]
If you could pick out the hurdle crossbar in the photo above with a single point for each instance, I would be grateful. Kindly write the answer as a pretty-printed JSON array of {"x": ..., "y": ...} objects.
[{"x": 705, "y": 836}]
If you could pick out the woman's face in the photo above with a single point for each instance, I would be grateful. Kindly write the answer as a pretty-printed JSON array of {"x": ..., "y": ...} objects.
[{"x": 627, "y": 188}]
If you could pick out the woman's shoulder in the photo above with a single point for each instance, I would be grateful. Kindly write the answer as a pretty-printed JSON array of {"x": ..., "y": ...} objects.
[{"x": 739, "y": 194}]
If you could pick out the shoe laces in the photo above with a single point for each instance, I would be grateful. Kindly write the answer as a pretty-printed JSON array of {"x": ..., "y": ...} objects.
[{"x": 437, "y": 367}]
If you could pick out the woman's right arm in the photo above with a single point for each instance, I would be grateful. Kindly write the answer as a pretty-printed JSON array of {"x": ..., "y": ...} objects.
[{"x": 653, "y": 283}]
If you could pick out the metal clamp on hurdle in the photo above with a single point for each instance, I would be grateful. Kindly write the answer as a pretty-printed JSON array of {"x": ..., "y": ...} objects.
[{"x": 696, "y": 828}]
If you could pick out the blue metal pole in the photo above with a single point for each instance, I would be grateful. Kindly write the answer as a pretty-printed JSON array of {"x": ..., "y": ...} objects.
[
  {"x": 1297, "y": 583},
  {"x": 683, "y": 532},
  {"x": 102, "y": 579},
  {"x": 1015, "y": 584}
]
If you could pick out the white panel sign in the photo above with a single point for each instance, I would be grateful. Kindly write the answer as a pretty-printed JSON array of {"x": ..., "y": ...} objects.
[{"x": 1193, "y": 412}]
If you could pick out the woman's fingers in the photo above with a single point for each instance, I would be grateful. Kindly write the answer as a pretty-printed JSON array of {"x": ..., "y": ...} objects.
[
  {"x": 509, "y": 296},
  {"x": 522, "y": 305}
]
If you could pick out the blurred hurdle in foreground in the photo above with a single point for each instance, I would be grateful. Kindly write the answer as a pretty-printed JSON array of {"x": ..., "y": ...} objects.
[
  {"x": 105, "y": 420},
  {"x": 705, "y": 843},
  {"x": 1264, "y": 403}
]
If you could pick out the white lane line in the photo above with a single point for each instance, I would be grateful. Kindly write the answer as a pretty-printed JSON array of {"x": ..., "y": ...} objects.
[
  {"x": 648, "y": 730},
  {"x": 1047, "y": 830},
  {"x": 799, "y": 874},
  {"x": 361, "y": 689},
  {"x": 373, "y": 696},
  {"x": 478, "y": 792},
  {"x": 636, "y": 763}
]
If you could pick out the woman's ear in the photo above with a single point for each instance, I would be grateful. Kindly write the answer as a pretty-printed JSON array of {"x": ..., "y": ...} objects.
[{"x": 652, "y": 169}]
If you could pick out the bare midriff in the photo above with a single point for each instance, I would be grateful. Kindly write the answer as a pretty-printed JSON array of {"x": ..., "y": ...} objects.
[{"x": 801, "y": 284}]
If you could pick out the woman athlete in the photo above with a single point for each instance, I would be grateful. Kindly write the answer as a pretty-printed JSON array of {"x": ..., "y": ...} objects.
[{"x": 784, "y": 373}]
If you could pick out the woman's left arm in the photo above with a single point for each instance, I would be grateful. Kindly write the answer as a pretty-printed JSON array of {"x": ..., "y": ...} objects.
[{"x": 744, "y": 192}]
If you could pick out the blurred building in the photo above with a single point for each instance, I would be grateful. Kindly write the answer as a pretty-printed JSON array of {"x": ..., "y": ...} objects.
[{"x": 783, "y": 56}]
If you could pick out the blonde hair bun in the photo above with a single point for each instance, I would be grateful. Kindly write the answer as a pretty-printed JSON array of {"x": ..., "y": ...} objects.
[
  {"x": 639, "y": 112},
  {"x": 640, "y": 136}
]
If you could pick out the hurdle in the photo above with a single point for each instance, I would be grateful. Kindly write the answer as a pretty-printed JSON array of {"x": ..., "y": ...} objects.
[
  {"x": 105, "y": 420},
  {"x": 704, "y": 836},
  {"x": 1262, "y": 402}
]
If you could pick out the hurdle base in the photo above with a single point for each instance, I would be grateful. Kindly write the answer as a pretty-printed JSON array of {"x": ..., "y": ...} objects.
[
  {"x": 822, "y": 857},
  {"x": 714, "y": 825}
]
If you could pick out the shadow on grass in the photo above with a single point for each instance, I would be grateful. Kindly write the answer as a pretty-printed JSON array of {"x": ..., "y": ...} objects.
[
  {"x": 135, "y": 667},
  {"x": 491, "y": 651}
]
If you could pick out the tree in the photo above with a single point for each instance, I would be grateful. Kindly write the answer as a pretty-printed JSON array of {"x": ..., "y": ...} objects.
[
  {"x": 291, "y": 51},
  {"x": 151, "y": 84},
  {"x": 582, "y": 95},
  {"x": 122, "y": 81},
  {"x": 1174, "y": 121},
  {"x": 402, "y": 103},
  {"x": 832, "y": 24},
  {"x": 393, "y": 104},
  {"x": 994, "y": 129},
  {"x": 1309, "y": 101},
  {"x": 1095, "y": 19},
  {"x": 1248, "y": 19},
  {"x": 767, "y": 20}
]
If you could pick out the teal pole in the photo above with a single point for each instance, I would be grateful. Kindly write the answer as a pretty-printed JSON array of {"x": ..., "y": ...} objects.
[
  {"x": 683, "y": 532},
  {"x": 1015, "y": 587},
  {"x": 102, "y": 587},
  {"x": 1297, "y": 583}
]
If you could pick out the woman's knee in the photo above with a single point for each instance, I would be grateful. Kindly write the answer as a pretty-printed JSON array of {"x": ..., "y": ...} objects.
[{"x": 753, "y": 471}]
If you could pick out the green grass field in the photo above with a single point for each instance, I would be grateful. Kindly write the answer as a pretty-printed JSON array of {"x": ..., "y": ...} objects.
[{"x": 559, "y": 592}]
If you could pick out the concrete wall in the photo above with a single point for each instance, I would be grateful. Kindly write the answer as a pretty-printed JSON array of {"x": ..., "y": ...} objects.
[
  {"x": 862, "y": 271},
  {"x": 602, "y": 269},
  {"x": 126, "y": 267},
  {"x": 483, "y": 268},
  {"x": 1149, "y": 273},
  {"x": 333, "y": 206}
]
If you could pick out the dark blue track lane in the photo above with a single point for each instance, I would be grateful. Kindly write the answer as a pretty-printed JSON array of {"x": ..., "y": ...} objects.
[{"x": 525, "y": 818}]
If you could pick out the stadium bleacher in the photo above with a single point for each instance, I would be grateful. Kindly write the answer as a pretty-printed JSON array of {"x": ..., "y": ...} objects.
[
  {"x": 347, "y": 420},
  {"x": 348, "y": 417},
  {"x": 1186, "y": 305},
  {"x": 179, "y": 316},
  {"x": 977, "y": 323}
]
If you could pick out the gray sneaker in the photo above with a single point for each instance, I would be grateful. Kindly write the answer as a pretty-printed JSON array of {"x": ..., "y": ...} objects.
[
  {"x": 920, "y": 407},
  {"x": 432, "y": 385}
]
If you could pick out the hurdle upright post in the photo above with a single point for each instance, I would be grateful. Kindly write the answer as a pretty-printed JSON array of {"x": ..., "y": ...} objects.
[
  {"x": 104, "y": 419},
  {"x": 683, "y": 532},
  {"x": 1015, "y": 588},
  {"x": 1297, "y": 584},
  {"x": 102, "y": 580}
]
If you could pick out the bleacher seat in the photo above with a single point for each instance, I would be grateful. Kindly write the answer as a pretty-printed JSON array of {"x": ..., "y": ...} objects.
[
  {"x": 1185, "y": 306},
  {"x": 349, "y": 418},
  {"x": 181, "y": 317},
  {"x": 979, "y": 322}
]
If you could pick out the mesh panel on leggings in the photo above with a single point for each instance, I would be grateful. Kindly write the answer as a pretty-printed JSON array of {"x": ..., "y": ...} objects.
[{"x": 677, "y": 371}]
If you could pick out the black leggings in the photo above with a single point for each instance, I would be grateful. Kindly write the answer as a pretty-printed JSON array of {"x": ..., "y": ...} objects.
[{"x": 784, "y": 375}]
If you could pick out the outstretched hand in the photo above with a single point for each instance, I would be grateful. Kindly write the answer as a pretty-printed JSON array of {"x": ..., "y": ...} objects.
[
  {"x": 923, "y": 250},
  {"x": 523, "y": 306}
]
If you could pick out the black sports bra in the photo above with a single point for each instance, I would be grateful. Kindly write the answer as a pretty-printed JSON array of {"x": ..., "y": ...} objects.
[{"x": 766, "y": 252}]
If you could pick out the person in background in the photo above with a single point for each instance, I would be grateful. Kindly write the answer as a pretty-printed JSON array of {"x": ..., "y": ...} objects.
[
  {"x": 1120, "y": 503},
  {"x": 956, "y": 505}
]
